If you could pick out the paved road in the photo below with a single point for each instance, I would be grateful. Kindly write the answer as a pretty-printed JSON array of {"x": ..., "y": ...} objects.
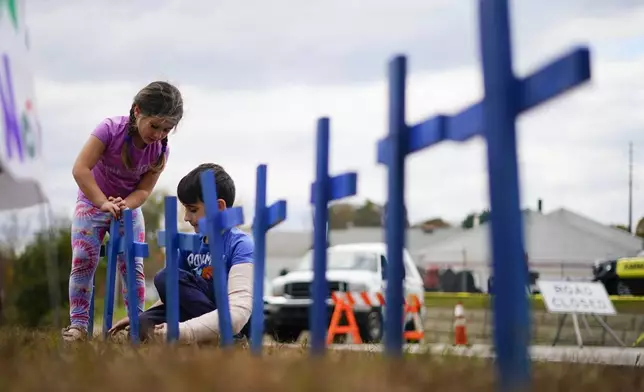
[{"x": 599, "y": 355}]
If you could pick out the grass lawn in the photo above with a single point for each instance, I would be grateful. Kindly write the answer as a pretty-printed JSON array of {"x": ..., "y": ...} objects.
[
  {"x": 35, "y": 361},
  {"x": 119, "y": 312}
]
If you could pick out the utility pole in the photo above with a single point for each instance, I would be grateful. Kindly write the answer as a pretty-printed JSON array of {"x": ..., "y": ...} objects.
[{"x": 630, "y": 187}]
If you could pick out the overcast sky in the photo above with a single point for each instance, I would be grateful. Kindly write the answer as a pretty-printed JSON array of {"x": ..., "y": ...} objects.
[{"x": 256, "y": 75}]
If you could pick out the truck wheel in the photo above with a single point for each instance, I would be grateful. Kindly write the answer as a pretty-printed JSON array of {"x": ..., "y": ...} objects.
[
  {"x": 623, "y": 289},
  {"x": 371, "y": 330},
  {"x": 286, "y": 335}
]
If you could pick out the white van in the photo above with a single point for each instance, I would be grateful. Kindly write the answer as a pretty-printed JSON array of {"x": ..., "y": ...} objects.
[{"x": 350, "y": 268}]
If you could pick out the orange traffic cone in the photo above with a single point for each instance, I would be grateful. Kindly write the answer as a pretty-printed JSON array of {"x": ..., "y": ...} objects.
[{"x": 460, "y": 330}]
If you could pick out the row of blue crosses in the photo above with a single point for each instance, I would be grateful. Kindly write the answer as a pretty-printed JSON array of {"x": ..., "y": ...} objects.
[
  {"x": 494, "y": 118},
  {"x": 212, "y": 226}
]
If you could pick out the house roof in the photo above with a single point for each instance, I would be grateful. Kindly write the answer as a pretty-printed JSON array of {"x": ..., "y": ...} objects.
[{"x": 561, "y": 236}]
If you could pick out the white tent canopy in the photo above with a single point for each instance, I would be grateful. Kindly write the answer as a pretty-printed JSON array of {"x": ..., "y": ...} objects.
[{"x": 18, "y": 194}]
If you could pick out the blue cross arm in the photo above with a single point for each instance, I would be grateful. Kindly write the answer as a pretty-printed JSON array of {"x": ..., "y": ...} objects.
[
  {"x": 340, "y": 186},
  {"x": 190, "y": 242},
  {"x": 227, "y": 219},
  {"x": 421, "y": 135},
  {"x": 140, "y": 248},
  {"x": 559, "y": 76},
  {"x": 276, "y": 213},
  {"x": 556, "y": 78},
  {"x": 231, "y": 217}
]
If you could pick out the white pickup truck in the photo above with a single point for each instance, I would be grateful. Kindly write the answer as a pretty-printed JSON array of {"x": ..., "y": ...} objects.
[{"x": 352, "y": 267}]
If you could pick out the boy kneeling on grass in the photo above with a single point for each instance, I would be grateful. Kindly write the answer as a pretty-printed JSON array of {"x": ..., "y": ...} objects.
[{"x": 198, "y": 317}]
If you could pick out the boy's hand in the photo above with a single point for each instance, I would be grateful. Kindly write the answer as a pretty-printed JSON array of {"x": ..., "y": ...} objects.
[
  {"x": 121, "y": 324},
  {"x": 161, "y": 332}
]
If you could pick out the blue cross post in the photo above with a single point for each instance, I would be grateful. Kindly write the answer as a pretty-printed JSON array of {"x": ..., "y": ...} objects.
[
  {"x": 494, "y": 118},
  {"x": 323, "y": 190},
  {"x": 115, "y": 245},
  {"x": 174, "y": 243},
  {"x": 213, "y": 226},
  {"x": 392, "y": 151},
  {"x": 505, "y": 98},
  {"x": 130, "y": 268},
  {"x": 171, "y": 269},
  {"x": 265, "y": 219}
]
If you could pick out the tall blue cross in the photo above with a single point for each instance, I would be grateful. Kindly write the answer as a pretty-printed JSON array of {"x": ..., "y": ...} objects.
[
  {"x": 213, "y": 225},
  {"x": 115, "y": 245},
  {"x": 174, "y": 243},
  {"x": 265, "y": 219},
  {"x": 506, "y": 96},
  {"x": 323, "y": 190}
]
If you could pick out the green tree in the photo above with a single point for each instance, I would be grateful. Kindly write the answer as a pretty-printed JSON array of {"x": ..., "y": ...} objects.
[
  {"x": 154, "y": 212},
  {"x": 430, "y": 225},
  {"x": 468, "y": 222},
  {"x": 639, "y": 229},
  {"x": 368, "y": 215},
  {"x": 6, "y": 260},
  {"x": 621, "y": 227},
  {"x": 30, "y": 295},
  {"x": 341, "y": 216}
]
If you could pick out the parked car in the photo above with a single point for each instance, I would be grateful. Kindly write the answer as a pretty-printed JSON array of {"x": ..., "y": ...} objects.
[{"x": 359, "y": 267}]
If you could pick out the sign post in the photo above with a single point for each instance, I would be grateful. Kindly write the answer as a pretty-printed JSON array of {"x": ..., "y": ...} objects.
[{"x": 578, "y": 299}]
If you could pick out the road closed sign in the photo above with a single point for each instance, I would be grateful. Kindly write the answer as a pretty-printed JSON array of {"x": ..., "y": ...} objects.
[{"x": 576, "y": 297}]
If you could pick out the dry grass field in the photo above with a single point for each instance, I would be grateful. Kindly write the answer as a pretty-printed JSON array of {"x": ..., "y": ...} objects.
[{"x": 37, "y": 361}]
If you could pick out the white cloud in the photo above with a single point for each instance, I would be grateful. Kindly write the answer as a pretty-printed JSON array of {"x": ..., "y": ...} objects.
[
  {"x": 573, "y": 152},
  {"x": 277, "y": 127}
]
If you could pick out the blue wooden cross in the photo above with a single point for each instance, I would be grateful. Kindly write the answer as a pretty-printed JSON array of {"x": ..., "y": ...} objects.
[
  {"x": 265, "y": 219},
  {"x": 506, "y": 96},
  {"x": 130, "y": 267},
  {"x": 115, "y": 245},
  {"x": 174, "y": 243},
  {"x": 397, "y": 143},
  {"x": 323, "y": 190},
  {"x": 213, "y": 225},
  {"x": 130, "y": 249}
]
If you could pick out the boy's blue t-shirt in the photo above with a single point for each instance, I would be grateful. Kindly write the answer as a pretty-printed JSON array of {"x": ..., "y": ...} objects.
[{"x": 238, "y": 249}]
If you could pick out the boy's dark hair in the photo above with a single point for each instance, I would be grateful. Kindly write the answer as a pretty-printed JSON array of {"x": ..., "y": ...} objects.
[{"x": 189, "y": 188}]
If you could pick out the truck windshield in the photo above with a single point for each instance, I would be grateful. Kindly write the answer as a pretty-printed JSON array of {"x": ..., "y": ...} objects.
[{"x": 343, "y": 260}]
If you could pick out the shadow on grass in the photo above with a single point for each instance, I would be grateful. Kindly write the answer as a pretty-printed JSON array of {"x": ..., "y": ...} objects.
[{"x": 37, "y": 361}]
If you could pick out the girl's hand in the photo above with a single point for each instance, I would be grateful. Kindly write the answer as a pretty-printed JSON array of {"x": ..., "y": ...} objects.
[
  {"x": 118, "y": 201},
  {"x": 112, "y": 208}
]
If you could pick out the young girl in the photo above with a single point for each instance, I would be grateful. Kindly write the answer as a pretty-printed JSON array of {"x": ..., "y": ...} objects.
[{"x": 117, "y": 168}]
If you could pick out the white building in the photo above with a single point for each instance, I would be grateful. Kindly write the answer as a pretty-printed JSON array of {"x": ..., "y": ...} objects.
[{"x": 559, "y": 244}]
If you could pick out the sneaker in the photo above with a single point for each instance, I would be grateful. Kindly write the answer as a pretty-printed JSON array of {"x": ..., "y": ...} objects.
[{"x": 74, "y": 333}]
